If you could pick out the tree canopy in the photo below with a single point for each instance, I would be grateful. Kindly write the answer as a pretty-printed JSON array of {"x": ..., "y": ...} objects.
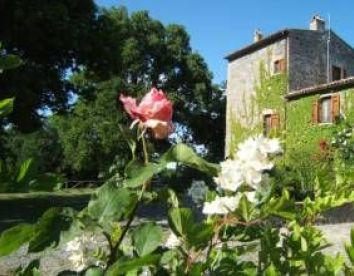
[{"x": 82, "y": 65}]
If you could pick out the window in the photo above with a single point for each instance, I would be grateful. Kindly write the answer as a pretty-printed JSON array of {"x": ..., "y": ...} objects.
[
  {"x": 326, "y": 109},
  {"x": 271, "y": 122},
  {"x": 338, "y": 73},
  {"x": 279, "y": 66}
]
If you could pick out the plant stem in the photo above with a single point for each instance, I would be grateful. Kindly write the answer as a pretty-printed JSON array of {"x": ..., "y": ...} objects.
[
  {"x": 146, "y": 156},
  {"x": 132, "y": 213}
]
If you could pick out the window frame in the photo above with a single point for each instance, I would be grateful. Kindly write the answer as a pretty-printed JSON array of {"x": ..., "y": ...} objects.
[
  {"x": 279, "y": 66},
  {"x": 326, "y": 97}
]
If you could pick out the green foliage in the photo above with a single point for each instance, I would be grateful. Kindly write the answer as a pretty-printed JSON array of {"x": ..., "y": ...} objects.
[
  {"x": 121, "y": 267},
  {"x": 110, "y": 204},
  {"x": 32, "y": 269},
  {"x": 269, "y": 92},
  {"x": 146, "y": 238},
  {"x": 13, "y": 238},
  {"x": 6, "y": 107},
  {"x": 181, "y": 153},
  {"x": 27, "y": 179},
  {"x": 47, "y": 52},
  {"x": 40, "y": 235}
]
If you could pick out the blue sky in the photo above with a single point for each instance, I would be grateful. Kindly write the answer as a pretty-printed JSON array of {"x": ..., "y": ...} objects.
[{"x": 220, "y": 27}]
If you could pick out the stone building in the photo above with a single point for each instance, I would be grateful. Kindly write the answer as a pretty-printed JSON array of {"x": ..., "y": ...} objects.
[{"x": 261, "y": 78}]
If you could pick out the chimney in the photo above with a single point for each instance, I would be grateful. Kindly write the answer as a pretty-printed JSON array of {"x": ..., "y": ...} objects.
[
  {"x": 257, "y": 35},
  {"x": 317, "y": 23}
]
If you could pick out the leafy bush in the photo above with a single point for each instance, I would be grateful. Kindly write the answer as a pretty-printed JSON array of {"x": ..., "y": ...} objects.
[{"x": 238, "y": 220}]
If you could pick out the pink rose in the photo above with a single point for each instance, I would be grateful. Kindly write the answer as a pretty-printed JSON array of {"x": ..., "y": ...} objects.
[{"x": 153, "y": 112}]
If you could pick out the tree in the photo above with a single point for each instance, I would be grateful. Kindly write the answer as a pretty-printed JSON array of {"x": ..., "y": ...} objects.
[
  {"x": 51, "y": 37},
  {"x": 139, "y": 52}
]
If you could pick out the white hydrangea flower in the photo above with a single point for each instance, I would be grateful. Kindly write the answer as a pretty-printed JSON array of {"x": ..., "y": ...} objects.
[
  {"x": 221, "y": 205},
  {"x": 172, "y": 241},
  {"x": 224, "y": 205},
  {"x": 269, "y": 146},
  {"x": 76, "y": 256},
  {"x": 251, "y": 160},
  {"x": 231, "y": 175}
]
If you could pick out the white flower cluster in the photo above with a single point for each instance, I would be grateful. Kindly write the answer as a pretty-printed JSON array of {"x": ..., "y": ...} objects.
[
  {"x": 79, "y": 252},
  {"x": 222, "y": 205},
  {"x": 250, "y": 162},
  {"x": 172, "y": 241}
]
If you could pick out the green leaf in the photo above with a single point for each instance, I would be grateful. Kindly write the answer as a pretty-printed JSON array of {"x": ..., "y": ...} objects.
[
  {"x": 94, "y": 271},
  {"x": 271, "y": 271},
  {"x": 32, "y": 269},
  {"x": 137, "y": 173},
  {"x": 245, "y": 208},
  {"x": 146, "y": 238},
  {"x": 25, "y": 171},
  {"x": 9, "y": 62},
  {"x": 180, "y": 220},
  {"x": 6, "y": 106},
  {"x": 129, "y": 138},
  {"x": 49, "y": 227},
  {"x": 46, "y": 182},
  {"x": 123, "y": 266},
  {"x": 13, "y": 238},
  {"x": 196, "y": 270},
  {"x": 186, "y": 155},
  {"x": 110, "y": 204},
  {"x": 350, "y": 252}
]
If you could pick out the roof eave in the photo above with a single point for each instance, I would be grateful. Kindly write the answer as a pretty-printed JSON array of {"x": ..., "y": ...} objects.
[
  {"x": 321, "y": 89},
  {"x": 257, "y": 45}
]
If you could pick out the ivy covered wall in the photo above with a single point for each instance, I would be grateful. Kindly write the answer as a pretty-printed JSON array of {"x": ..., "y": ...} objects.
[
  {"x": 299, "y": 133},
  {"x": 269, "y": 95},
  {"x": 304, "y": 135}
]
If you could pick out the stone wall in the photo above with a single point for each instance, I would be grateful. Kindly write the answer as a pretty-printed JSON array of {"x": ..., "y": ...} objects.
[
  {"x": 308, "y": 57},
  {"x": 305, "y": 52},
  {"x": 243, "y": 76}
]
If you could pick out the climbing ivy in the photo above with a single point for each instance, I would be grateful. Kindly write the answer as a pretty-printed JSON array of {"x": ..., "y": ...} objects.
[
  {"x": 302, "y": 134},
  {"x": 296, "y": 128},
  {"x": 268, "y": 94}
]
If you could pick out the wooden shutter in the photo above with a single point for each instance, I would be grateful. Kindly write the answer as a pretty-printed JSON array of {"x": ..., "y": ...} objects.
[
  {"x": 315, "y": 112},
  {"x": 275, "y": 121},
  {"x": 335, "y": 106},
  {"x": 282, "y": 65}
]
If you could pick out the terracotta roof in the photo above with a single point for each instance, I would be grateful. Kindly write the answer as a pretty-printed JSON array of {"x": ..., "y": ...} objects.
[
  {"x": 258, "y": 45},
  {"x": 321, "y": 88}
]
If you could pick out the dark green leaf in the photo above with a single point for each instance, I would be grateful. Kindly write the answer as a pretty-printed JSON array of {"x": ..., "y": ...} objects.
[
  {"x": 183, "y": 154},
  {"x": 49, "y": 227},
  {"x": 129, "y": 138},
  {"x": 46, "y": 182},
  {"x": 123, "y": 266},
  {"x": 196, "y": 270},
  {"x": 25, "y": 171},
  {"x": 94, "y": 271},
  {"x": 137, "y": 173},
  {"x": 110, "y": 204},
  {"x": 12, "y": 239},
  {"x": 180, "y": 220},
  {"x": 9, "y": 62},
  {"x": 6, "y": 106},
  {"x": 146, "y": 238},
  {"x": 32, "y": 269}
]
